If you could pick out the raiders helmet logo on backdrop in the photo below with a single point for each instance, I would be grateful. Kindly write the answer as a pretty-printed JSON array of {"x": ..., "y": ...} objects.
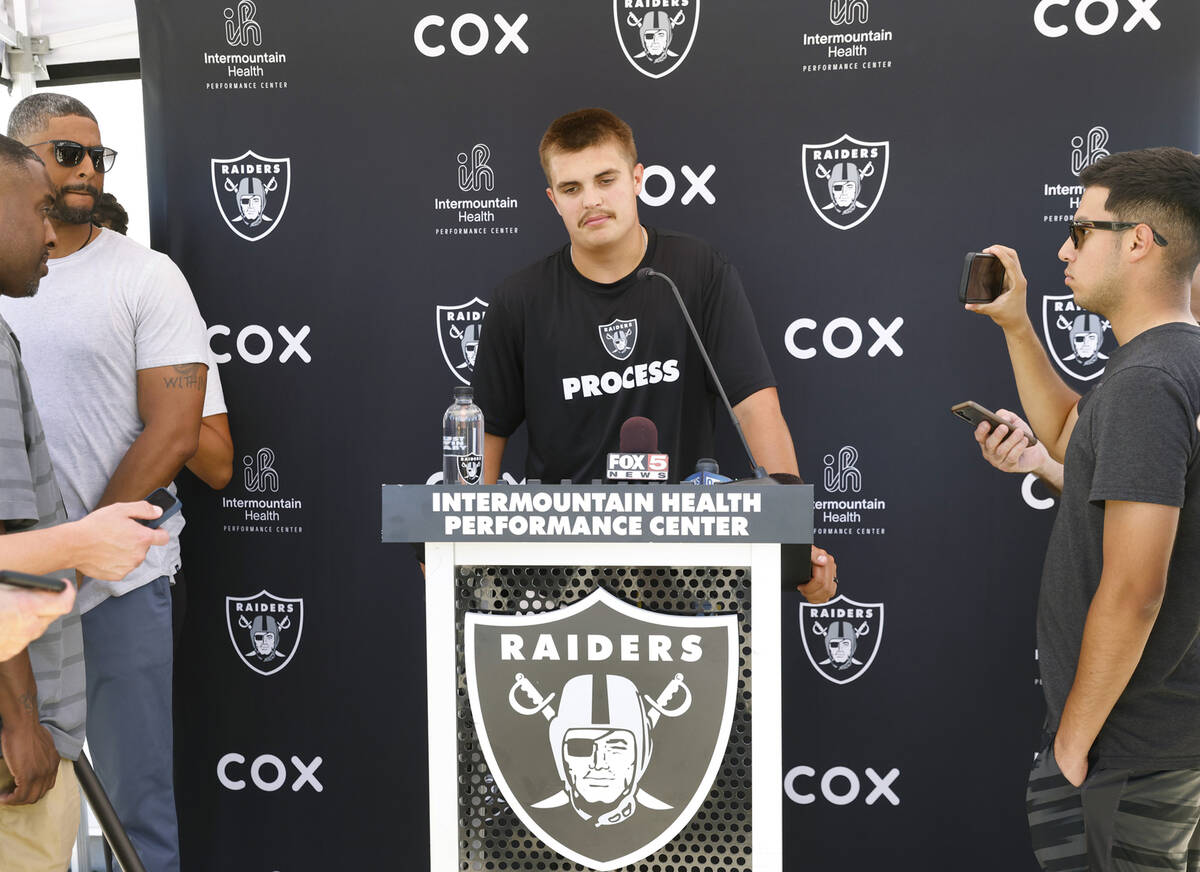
[
  {"x": 845, "y": 178},
  {"x": 655, "y": 40},
  {"x": 264, "y": 629},
  {"x": 841, "y": 637},
  {"x": 458, "y": 334},
  {"x": 252, "y": 192},
  {"x": 603, "y": 724},
  {"x": 1074, "y": 336}
]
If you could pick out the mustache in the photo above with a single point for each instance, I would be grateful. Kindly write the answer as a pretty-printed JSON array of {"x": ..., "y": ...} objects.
[
  {"x": 80, "y": 189},
  {"x": 590, "y": 215}
]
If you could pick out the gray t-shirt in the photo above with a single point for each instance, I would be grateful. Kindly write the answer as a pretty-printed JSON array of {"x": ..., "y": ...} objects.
[
  {"x": 104, "y": 312},
  {"x": 29, "y": 499},
  {"x": 1135, "y": 441}
]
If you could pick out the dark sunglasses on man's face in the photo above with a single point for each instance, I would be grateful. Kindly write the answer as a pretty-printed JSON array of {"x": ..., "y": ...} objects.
[
  {"x": 69, "y": 153},
  {"x": 1079, "y": 229}
]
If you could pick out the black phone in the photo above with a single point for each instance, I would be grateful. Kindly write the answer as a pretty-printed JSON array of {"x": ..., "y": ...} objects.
[
  {"x": 166, "y": 501},
  {"x": 973, "y": 414},
  {"x": 982, "y": 278},
  {"x": 44, "y": 583}
]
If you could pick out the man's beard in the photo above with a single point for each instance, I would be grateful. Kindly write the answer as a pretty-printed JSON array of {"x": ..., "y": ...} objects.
[{"x": 60, "y": 211}]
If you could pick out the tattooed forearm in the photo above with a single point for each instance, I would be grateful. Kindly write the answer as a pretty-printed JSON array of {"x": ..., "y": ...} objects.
[
  {"x": 187, "y": 376},
  {"x": 28, "y": 703}
]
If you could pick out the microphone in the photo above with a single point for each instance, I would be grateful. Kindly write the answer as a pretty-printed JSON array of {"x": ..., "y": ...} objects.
[
  {"x": 707, "y": 472},
  {"x": 638, "y": 458},
  {"x": 647, "y": 272}
]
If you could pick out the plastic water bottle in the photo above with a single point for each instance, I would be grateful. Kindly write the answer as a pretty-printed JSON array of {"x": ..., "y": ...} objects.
[{"x": 462, "y": 439}]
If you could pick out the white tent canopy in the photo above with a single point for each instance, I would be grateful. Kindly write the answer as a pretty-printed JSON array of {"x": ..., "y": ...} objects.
[{"x": 37, "y": 34}]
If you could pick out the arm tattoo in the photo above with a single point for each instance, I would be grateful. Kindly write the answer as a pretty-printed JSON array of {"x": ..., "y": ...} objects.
[
  {"x": 187, "y": 375},
  {"x": 27, "y": 703}
]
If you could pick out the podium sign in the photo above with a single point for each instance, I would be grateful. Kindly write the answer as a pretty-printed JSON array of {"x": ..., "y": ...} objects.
[{"x": 589, "y": 695}]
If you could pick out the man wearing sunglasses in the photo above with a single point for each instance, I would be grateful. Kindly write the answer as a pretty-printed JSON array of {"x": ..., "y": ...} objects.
[
  {"x": 116, "y": 350},
  {"x": 1117, "y": 780}
]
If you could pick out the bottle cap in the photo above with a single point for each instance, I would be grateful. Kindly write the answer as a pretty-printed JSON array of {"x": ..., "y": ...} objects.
[
  {"x": 464, "y": 394},
  {"x": 707, "y": 464}
]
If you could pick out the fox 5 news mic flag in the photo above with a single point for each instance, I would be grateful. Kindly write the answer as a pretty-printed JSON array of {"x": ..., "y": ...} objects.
[{"x": 344, "y": 190}]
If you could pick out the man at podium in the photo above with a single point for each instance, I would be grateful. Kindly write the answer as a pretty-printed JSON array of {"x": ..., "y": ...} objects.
[{"x": 578, "y": 342}]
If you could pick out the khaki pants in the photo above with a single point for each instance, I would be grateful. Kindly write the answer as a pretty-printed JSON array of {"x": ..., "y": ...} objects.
[{"x": 39, "y": 837}]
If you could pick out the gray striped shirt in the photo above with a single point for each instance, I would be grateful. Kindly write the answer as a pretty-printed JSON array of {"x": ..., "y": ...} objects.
[{"x": 29, "y": 499}]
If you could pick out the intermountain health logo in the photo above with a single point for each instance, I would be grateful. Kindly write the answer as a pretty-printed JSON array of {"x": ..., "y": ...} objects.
[
  {"x": 479, "y": 215},
  {"x": 845, "y": 510},
  {"x": 252, "y": 192},
  {"x": 459, "y": 328},
  {"x": 656, "y": 35},
  {"x": 603, "y": 724},
  {"x": 243, "y": 65},
  {"x": 845, "y": 179},
  {"x": 1062, "y": 199},
  {"x": 265, "y": 629},
  {"x": 853, "y": 46},
  {"x": 841, "y": 637},
  {"x": 263, "y": 509}
]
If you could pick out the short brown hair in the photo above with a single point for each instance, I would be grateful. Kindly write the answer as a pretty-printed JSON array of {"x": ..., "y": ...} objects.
[
  {"x": 1160, "y": 186},
  {"x": 582, "y": 129}
]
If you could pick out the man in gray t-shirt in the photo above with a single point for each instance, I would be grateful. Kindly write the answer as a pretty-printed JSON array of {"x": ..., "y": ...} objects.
[{"x": 1118, "y": 778}]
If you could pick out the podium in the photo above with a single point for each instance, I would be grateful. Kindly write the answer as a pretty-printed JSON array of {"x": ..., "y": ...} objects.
[{"x": 603, "y": 672}]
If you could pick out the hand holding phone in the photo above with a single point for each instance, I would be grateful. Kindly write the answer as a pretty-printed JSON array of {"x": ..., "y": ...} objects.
[
  {"x": 166, "y": 501},
  {"x": 982, "y": 278},
  {"x": 43, "y": 583},
  {"x": 974, "y": 414}
]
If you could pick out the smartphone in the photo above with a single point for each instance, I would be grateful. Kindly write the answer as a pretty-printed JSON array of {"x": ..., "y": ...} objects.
[
  {"x": 982, "y": 278},
  {"x": 45, "y": 583},
  {"x": 973, "y": 414},
  {"x": 166, "y": 501}
]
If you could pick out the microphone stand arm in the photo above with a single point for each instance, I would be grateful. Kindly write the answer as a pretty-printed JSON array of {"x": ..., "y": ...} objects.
[{"x": 759, "y": 472}]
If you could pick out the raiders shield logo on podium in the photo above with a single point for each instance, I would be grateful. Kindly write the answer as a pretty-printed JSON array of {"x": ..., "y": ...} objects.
[{"x": 603, "y": 724}]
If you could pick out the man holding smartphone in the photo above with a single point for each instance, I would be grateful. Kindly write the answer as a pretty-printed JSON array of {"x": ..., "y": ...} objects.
[
  {"x": 116, "y": 350},
  {"x": 42, "y": 721},
  {"x": 1116, "y": 784}
]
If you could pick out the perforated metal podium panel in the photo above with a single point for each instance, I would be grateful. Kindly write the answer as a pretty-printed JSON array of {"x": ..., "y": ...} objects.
[{"x": 491, "y": 836}]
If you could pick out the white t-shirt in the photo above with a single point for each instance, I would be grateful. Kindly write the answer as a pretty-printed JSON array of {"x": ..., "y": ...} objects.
[
  {"x": 103, "y": 313},
  {"x": 214, "y": 396}
]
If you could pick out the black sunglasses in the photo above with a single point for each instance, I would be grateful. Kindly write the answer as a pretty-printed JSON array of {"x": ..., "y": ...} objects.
[
  {"x": 69, "y": 153},
  {"x": 1077, "y": 229}
]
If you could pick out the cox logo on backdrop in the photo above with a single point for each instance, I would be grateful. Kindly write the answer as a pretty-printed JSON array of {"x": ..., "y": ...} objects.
[
  {"x": 1092, "y": 17},
  {"x": 268, "y": 773},
  {"x": 469, "y": 34},
  {"x": 256, "y": 344},
  {"x": 697, "y": 182},
  {"x": 840, "y": 785},
  {"x": 842, "y": 337}
]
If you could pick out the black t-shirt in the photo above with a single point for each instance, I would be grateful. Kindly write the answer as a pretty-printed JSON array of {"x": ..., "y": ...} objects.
[
  {"x": 575, "y": 359},
  {"x": 1136, "y": 441}
]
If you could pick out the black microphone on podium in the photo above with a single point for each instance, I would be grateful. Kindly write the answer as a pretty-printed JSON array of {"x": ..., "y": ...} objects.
[
  {"x": 647, "y": 272},
  {"x": 638, "y": 458}
]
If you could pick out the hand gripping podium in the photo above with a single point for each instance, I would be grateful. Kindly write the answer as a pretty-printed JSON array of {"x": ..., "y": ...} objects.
[{"x": 603, "y": 672}]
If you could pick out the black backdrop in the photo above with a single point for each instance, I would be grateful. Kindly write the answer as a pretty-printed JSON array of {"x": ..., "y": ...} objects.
[{"x": 980, "y": 114}]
